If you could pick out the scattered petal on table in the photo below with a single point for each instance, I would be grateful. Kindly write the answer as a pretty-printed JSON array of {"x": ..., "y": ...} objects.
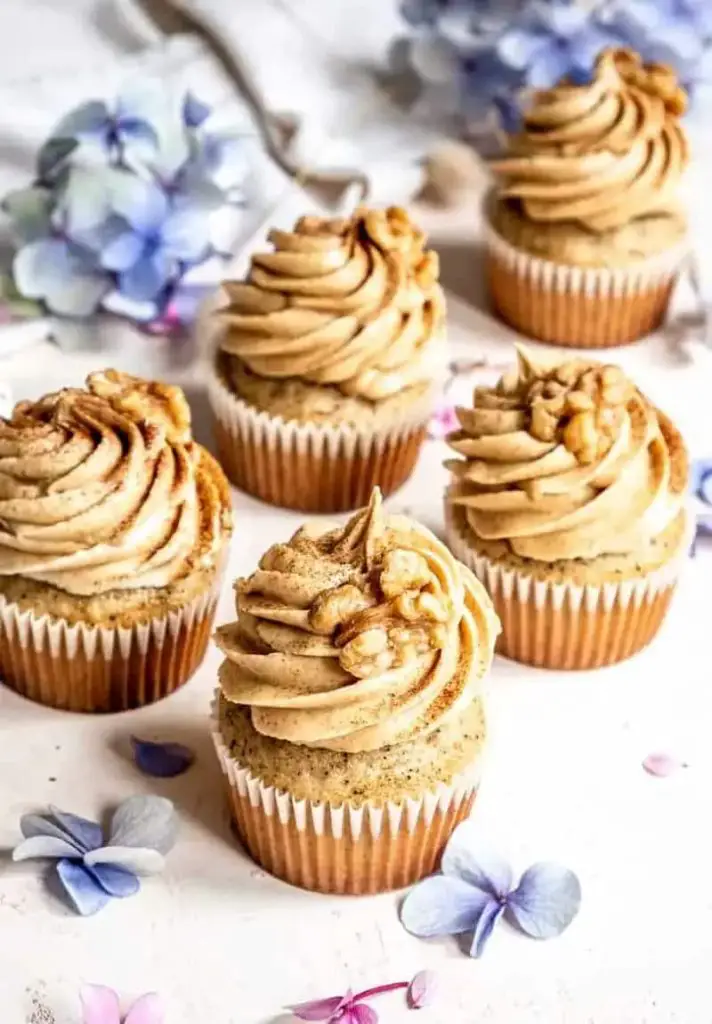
[
  {"x": 114, "y": 881},
  {"x": 469, "y": 857},
  {"x": 546, "y": 900},
  {"x": 148, "y": 821},
  {"x": 43, "y": 846},
  {"x": 422, "y": 990},
  {"x": 138, "y": 860},
  {"x": 662, "y": 765},
  {"x": 87, "y": 834},
  {"x": 489, "y": 917},
  {"x": 146, "y": 1010},
  {"x": 100, "y": 1005},
  {"x": 361, "y": 1013},
  {"x": 318, "y": 1009},
  {"x": 85, "y": 894},
  {"x": 443, "y": 906},
  {"x": 162, "y": 760}
]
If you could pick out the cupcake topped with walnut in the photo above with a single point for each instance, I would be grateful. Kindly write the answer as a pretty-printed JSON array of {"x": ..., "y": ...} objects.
[
  {"x": 587, "y": 205},
  {"x": 569, "y": 479},
  {"x": 353, "y": 673},
  {"x": 332, "y": 342}
]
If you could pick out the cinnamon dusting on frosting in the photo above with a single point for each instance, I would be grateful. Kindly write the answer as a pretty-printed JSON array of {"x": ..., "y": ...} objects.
[
  {"x": 357, "y": 638},
  {"x": 566, "y": 462},
  {"x": 103, "y": 489},
  {"x": 601, "y": 154},
  {"x": 353, "y": 303}
]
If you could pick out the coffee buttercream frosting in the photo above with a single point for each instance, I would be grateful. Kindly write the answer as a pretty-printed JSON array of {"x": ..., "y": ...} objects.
[
  {"x": 103, "y": 488},
  {"x": 353, "y": 303},
  {"x": 600, "y": 154},
  {"x": 566, "y": 461},
  {"x": 357, "y": 638}
]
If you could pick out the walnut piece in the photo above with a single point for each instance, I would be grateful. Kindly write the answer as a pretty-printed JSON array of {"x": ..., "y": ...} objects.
[
  {"x": 403, "y": 570},
  {"x": 333, "y": 608},
  {"x": 389, "y": 645}
]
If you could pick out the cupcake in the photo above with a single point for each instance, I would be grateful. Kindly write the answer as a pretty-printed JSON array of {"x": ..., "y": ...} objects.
[
  {"x": 585, "y": 231},
  {"x": 569, "y": 505},
  {"x": 328, "y": 361},
  {"x": 113, "y": 526},
  {"x": 349, "y": 720}
]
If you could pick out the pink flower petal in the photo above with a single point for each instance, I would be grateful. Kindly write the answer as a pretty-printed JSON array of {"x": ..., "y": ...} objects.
[
  {"x": 662, "y": 765},
  {"x": 100, "y": 1005},
  {"x": 422, "y": 989},
  {"x": 319, "y": 1009},
  {"x": 146, "y": 1010}
]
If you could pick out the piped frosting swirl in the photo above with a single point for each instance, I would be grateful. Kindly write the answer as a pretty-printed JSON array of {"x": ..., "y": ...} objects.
[
  {"x": 566, "y": 461},
  {"x": 354, "y": 303},
  {"x": 357, "y": 638},
  {"x": 103, "y": 489},
  {"x": 600, "y": 154}
]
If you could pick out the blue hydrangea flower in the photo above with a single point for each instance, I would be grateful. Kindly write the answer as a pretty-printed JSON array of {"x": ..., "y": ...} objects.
[
  {"x": 146, "y": 245},
  {"x": 476, "y": 888},
  {"x": 90, "y": 869},
  {"x": 123, "y": 128}
]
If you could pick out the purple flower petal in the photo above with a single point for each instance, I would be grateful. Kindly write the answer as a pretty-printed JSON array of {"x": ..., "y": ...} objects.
[
  {"x": 146, "y": 1010},
  {"x": 318, "y": 1009},
  {"x": 100, "y": 1005},
  {"x": 87, "y": 834},
  {"x": 194, "y": 111},
  {"x": 546, "y": 900},
  {"x": 360, "y": 1013},
  {"x": 442, "y": 906},
  {"x": 114, "y": 881},
  {"x": 485, "y": 926},
  {"x": 422, "y": 990},
  {"x": 161, "y": 760},
  {"x": 85, "y": 894},
  {"x": 469, "y": 857},
  {"x": 662, "y": 765}
]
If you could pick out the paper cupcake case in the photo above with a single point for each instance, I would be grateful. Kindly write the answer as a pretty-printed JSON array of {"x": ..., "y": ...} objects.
[
  {"x": 344, "y": 849},
  {"x": 566, "y": 626},
  {"x": 587, "y": 307},
  {"x": 100, "y": 668},
  {"x": 310, "y": 467}
]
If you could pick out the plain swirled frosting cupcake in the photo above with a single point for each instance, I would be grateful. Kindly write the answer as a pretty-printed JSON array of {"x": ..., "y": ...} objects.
[
  {"x": 349, "y": 717},
  {"x": 568, "y": 502},
  {"x": 113, "y": 525},
  {"x": 328, "y": 359},
  {"x": 586, "y": 230}
]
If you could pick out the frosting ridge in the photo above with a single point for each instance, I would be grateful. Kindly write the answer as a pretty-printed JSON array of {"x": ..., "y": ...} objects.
[
  {"x": 566, "y": 461},
  {"x": 353, "y": 303},
  {"x": 103, "y": 488},
  {"x": 600, "y": 154},
  {"x": 357, "y": 638}
]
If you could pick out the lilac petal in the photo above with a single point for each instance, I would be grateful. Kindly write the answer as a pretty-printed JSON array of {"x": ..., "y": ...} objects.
[
  {"x": 113, "y": 880},
  {"x": 100, "y": 1005},
  {"x": 146, "y": 1010},
  {"x": 519, "y": 48},
  {"x": 485, "y": 926},
  {"x": 442, "y": 906},
  {"x": 360, "y": 1013},
  {"x": 422, "y": 990},
  {"x": 145, "y": 821},
  {"x": 85, "y": 833},
  {"x": 318, "y": 1009},
  {"x": 122, "y": 252},
  {"x": 662, "y": 765},
  {"x": 469, "y": 857},
  {"x": 146, "y": 279},
  {"x": 43, "y": 846},
  {"x": 194, "y": 111},
  {"x": 135, "y": 859},
  {"x": 84, "y": 892},
  {"x": 546, "y": 900},
  {"x": 161, "y": 760},
  {"x": 185, "y": 235}
]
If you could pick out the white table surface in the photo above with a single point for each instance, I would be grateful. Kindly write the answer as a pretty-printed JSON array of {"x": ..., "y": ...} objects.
[{"x": 225, "y": 944}]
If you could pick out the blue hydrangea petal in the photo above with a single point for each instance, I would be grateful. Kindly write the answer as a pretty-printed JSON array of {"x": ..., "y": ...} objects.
[
  {"x": 485, "y": 926},
  {"x": 161, "y": 760},
  {"x": 85, "y": 201},
  {"x": 136, "y": 859},
  {"x": 89, "y": 120},
  {"x": 443, "y": 906},
  {"x": 195, "y": 112},
  {"x": 549, "y": 67},
  {"x": 546, "y": 900},
  {"x": 115, "y": 881},
  {"x": 185, "y": 235},
  {"x": 519, "y": 48},
  {"x": 30, "y": 210},
  {"x": 121, "y": 305},
  {"x": 563, "y": 19},
  {"x": 32, "y": 825},
  {"x": 146, "y": 279},
  {"x": 36, "y": 265},
  {"x": 585, "y": 47},
  {"x": 78, "y": 295},
  {"x": 122, "y": 251},
  {"x": 85, "y": 894},
  {"x": 87, "y": 834},
  {"x": 52, "y": 159},
  {"x": 141, "y": 203},
  {"x": 44, "y": 846},
  {"x": 469, "y": 857},
  {"x": 148, "y": 821}
]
